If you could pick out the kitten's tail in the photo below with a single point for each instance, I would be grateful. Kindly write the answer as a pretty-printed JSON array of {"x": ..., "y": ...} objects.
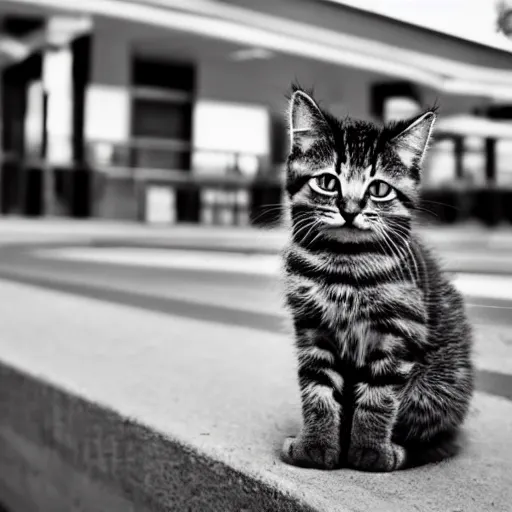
[{"x": 443, "y": 446}]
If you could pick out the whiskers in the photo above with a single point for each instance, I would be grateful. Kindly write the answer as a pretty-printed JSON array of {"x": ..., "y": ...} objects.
[
  {"x": 392, "y": 233},
  {"x": 280, "y": 210},
  {"x": 304, "y": 224}
]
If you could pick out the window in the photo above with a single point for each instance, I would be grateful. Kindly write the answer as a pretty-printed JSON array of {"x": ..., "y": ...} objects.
[
  {"x": 162, "y": 99},
  {"x": 160, "y": 74},
  {"x": 230, "y": 136},
  {"x": 161, "y": 119}
]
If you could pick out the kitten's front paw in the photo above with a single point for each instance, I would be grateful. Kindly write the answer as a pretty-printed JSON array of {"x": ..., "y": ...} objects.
[
  {"x": 310, "y": 453},
  {"x": 386, "y": 457}
]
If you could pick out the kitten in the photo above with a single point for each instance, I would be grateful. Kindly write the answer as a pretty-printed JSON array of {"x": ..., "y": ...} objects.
[{"x": 384, "y": 346}]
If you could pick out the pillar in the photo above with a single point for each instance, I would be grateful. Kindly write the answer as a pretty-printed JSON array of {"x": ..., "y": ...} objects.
[
  {"x": 459, "y": 157},
  {"x": 108, "y": 121},
  {"x": 490, "y": 161},
  {"x": 63, "y": 102}
]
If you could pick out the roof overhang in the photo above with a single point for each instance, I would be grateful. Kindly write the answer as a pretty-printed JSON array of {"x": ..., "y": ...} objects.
[
  {"x": 252, "y": 28},
  {"x": 472, "y": 126}
]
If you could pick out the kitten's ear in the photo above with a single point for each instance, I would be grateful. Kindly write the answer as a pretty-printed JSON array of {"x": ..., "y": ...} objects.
[
  {"x": 306, "y": 121},
  {"x": 411, "y": 143}
]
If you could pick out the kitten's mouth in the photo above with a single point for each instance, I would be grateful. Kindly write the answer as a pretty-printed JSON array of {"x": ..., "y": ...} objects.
[
  {"x": 344, "y": 227},
  {"x": 347, "y": 233}
]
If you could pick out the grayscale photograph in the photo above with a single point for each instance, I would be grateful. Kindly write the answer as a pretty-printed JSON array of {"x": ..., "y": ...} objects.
[{"x": 255, "y": 255}]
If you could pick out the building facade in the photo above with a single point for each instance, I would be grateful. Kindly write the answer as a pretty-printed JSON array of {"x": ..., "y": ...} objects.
[{"x": 173, "y": 111}]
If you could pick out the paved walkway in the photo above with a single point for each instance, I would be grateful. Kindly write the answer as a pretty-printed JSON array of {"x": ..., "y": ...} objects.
[
  {"x": 466, "y": 248},
  {"x": 18, "y": 229},
  {"x": 226, "y": 394}
]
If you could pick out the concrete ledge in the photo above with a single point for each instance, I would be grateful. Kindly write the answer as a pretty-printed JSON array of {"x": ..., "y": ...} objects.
[
  {"x": 59, "y": 451},
  {"x": 107, "y": 407}
]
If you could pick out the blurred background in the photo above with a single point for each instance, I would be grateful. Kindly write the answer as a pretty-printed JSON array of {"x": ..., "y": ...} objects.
[
  {"x": 166, "y": 111},
  {"x": 142, "y": 153}
]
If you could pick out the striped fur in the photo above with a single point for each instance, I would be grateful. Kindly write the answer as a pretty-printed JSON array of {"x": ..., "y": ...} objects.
[{"x": 384, "y": 347}]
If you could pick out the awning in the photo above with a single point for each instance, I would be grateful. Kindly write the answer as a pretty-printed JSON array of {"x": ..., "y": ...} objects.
[{"x": 252, "y": 28}]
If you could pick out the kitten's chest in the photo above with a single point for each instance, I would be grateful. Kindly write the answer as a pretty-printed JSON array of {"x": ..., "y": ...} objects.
[
  {"x": 341, "y": 305},
  {"x": 346, "y": 311},
  {"x": 351, "y": 313},
  {"x": 345, "y": 306}
]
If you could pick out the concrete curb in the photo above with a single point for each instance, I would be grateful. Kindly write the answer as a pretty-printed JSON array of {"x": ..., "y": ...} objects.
[{"x": 63, "y": 449}]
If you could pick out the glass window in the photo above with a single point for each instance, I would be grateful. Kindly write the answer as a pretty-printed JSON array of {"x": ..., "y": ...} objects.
[
  {"x": 161, "y": 119},
  {"x": 162, "y": 75}
]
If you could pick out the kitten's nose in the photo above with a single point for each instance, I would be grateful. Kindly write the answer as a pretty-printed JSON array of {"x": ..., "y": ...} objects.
[{"x": 349, "y": 217}]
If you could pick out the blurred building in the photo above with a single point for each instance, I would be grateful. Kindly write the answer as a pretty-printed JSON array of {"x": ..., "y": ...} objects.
[{"x": 169, "y": 110}]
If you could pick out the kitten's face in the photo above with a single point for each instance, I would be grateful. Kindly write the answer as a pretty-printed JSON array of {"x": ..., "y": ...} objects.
[{"x": 351, "y": 180}]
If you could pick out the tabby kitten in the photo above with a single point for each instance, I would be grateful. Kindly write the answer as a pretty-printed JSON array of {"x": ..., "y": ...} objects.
[{"x": 384, "y": 346}]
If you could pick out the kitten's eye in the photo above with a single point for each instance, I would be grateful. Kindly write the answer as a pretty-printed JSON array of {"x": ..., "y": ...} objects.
[
  {"x": 381, "y": 191},
  {"x": 324, "y": 184}
]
